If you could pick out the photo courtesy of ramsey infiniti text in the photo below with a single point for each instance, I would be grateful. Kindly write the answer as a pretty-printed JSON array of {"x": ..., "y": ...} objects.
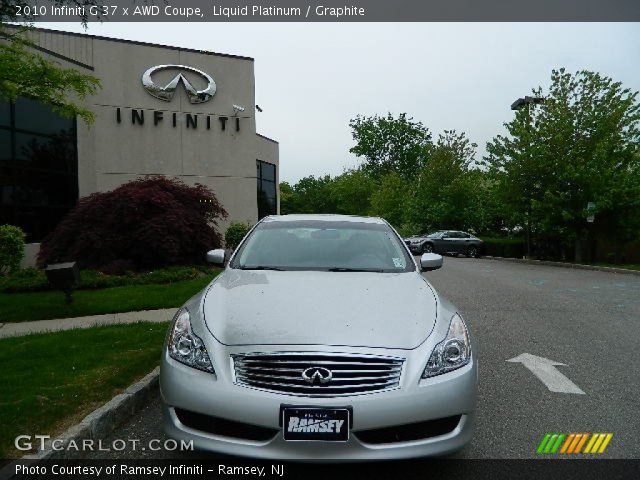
[{"x": 320, "y": 340}]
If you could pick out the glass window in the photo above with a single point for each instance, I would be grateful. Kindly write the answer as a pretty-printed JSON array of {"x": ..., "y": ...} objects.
[
  {"x": 267, "y": 189},
  {"x": 5, "y": 145},
  {"x": 5, "y": 114},
  {"x": 268, "y": 172},
  {"x": 323, "y": 245},
  {"x": 38, "y": 168},
  {"x": 37, "y": 118}
]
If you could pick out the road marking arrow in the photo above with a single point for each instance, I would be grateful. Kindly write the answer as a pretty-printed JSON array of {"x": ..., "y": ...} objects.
[{"x": 546, "y": 371}]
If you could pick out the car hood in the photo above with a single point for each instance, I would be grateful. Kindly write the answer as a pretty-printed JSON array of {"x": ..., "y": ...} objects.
[{"x": 388, "y": 310}]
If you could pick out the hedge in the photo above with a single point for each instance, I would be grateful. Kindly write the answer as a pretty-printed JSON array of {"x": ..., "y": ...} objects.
[
  {"x": 34, "y": 280},
  {"x": 504, "y": 247}
]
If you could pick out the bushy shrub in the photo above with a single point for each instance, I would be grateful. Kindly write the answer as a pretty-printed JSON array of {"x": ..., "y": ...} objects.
[
  {"x": 235, "y": 233},
  {"x": 147, "y": 223},
  {"x": 11, "y": 248},
  {"x": 503, "y": 247}
]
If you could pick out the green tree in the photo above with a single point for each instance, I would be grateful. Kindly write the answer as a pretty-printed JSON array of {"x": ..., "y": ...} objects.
[
  {"x": 391, "y": 202},
  {"x": 287, "y": 199},
  {"x": 312, "y": 195},
  {"x": 389, "y": 144},
  {"x": 352, "y": 192},
  {"x": 450, "y": 191},
  {"x": 579, "y": 146},
  {"x": 25, "y": 73}
]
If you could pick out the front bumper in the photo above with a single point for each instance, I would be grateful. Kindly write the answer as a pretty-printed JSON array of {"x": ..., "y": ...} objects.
[{"x": 451, "y": 394}]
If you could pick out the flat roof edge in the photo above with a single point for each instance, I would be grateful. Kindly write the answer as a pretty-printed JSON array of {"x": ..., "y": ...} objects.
[
  {"x": 134, "y": 42},
  {"x": 267, "y": 138}
]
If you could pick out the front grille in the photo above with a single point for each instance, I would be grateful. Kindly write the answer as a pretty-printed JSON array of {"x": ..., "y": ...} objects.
[
  {"x": 351, "y": 374},
  {"x": 409, "y": 432}
]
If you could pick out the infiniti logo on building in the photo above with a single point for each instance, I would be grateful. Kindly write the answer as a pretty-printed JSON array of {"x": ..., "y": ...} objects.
[
  {"x": 317, "y": 375},
  {"x": 166, "y": 92}
]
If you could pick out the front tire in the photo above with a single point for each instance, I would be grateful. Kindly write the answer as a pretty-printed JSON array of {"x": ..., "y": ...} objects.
[
  {"x": 472, "y": 252},
  {"x": 427, "y": 248}
]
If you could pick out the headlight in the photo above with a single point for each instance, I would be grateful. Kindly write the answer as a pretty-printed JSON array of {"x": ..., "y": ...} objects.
[
  {"x": 185, "y": 346},
  {"x": 451, "y": 353}
]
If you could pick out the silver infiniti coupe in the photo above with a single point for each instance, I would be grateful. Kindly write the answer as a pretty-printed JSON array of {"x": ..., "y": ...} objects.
[{"x": 321, "y": 340}]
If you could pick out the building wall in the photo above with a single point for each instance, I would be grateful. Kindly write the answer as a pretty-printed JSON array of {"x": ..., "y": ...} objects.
[{"x": 112, "y": 153}]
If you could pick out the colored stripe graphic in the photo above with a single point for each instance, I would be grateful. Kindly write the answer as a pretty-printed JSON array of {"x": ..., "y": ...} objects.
[
  {"x": 606, "y": 441},
  {"x": 582, "y": 441},
  {"x": 577, "y": 439},
  {"x": 573, "y": 443},
  {"x": 558, "y": 442},
  {"x": 550, "y": 443},
  {"x": 543, "y": 443},
  {"x": 598, "y": 443},
  {"x": 592, "y": 441}
]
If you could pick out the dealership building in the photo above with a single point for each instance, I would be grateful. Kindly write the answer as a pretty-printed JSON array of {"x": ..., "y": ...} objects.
[{"x": 161, "y": 110}]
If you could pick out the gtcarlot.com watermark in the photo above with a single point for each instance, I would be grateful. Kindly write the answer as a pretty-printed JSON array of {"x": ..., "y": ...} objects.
[{"x": 42, "y": 442}]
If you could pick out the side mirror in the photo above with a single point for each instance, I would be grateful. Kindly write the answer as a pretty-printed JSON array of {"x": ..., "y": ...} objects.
[
  {"x": 430, "y": 261},
  {"x": 216, "y": 256}
]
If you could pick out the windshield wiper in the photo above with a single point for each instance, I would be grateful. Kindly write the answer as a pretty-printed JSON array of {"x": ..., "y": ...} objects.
[
  {"x": 344, "y": 269},
  {"x": 262, "y": 267}
]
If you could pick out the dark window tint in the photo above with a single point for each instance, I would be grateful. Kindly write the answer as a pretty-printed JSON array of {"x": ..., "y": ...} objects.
[
  {"x": 34, "y": 117},
  {"x": 5, "y": 114},
  {"x": 267, "y": 189},
  {"x": 38, "y": 167},
  {"x": 5, "y": 145}
]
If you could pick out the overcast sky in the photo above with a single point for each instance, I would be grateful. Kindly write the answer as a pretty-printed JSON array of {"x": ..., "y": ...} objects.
[{"x": 312, "y": 78}]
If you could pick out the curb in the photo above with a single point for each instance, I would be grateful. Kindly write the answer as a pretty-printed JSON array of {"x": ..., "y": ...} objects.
[
  {"x": 95, "y": 426},
  {"x": 577, "y": 266}
]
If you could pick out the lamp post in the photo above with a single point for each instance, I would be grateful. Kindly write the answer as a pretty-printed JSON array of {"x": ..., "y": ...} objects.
[{"x": 520, "y": 103}]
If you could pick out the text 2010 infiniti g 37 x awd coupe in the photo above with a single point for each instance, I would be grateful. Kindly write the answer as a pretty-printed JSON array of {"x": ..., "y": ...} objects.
[{"x": 320, "y": 340}]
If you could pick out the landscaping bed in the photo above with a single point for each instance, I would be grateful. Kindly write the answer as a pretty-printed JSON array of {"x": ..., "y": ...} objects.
[{"x": 35, "y": 280}]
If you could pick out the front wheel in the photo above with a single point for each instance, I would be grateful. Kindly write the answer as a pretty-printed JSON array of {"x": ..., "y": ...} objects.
[
  {"x": 472, "y": 252},
  {"x": 427, "y": 248}
]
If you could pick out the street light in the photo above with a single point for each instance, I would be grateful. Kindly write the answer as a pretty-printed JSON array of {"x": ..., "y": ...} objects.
[
  {"x": 517, "y": 105},
  {"x": 521, "y": 102}
]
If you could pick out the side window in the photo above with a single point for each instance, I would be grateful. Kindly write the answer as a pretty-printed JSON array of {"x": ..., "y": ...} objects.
[{"x": 463, "y": 235}]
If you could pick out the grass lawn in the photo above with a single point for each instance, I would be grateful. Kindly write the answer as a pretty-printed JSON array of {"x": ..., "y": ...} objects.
[
  {"x": 51, "y": 381},
  {"x": 23, "y": 307}
]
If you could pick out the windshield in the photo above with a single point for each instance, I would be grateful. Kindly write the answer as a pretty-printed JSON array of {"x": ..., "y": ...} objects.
[{"x": 323, "y": 245}]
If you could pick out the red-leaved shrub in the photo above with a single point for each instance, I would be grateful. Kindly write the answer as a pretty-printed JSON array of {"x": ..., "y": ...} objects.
[{"x": 147, "y": 223}]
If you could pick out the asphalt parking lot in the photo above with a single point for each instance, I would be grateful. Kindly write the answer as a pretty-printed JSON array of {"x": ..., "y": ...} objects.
[{"x": 584, "y": 323}]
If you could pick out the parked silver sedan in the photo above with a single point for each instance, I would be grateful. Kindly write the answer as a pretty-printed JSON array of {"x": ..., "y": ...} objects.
[{"x": 320, "y": 340}]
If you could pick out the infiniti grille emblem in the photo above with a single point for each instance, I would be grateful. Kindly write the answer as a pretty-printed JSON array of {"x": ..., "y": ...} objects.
[{"x": 317, "y": 375}]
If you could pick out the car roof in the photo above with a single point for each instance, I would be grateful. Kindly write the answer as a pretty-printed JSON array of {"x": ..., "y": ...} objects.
[{"x": 323, "y": 217}]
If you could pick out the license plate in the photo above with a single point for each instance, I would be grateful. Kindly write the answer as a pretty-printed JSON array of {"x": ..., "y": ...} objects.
[{"x": 324, "y": 424}]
